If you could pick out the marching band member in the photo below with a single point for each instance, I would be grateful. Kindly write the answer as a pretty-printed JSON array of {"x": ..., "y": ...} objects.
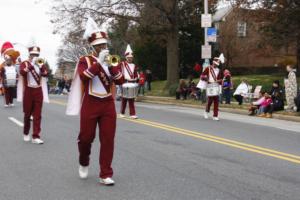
[
  {"x": 9, "y": 73},
  {"x": 32, "y": 91},
  {"x": 213, "y": 76},
  {"x": 130, "y": 74},
  {"x": 91, "y": 96}
]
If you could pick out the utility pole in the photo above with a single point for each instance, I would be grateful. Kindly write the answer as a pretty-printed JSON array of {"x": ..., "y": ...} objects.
[
  {"x": 205, "y": 23},
  {"x": 205, "y": 29}
]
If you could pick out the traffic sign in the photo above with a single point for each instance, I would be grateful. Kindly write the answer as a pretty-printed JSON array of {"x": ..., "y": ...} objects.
[
  {"x": 206, "y": 51},
  {"x": 212, "y": 35},
  {"x": 206, "y": 20}
]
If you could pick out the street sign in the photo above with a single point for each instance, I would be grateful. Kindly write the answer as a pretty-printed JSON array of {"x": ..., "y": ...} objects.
[
  {"x": 206, "y": 51},
  {"x": 212, "y": 35},
  {"x": 206, "y": 20}
]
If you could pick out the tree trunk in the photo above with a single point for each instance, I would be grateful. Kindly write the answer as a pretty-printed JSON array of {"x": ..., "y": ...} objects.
[
  {"x": 172, "y": 58},
  {"x": 298, "y": 53},
  {"x": 173, "y": 48}
]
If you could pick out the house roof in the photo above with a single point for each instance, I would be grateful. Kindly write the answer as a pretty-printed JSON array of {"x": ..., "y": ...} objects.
[{"x": 221, "y": 13}]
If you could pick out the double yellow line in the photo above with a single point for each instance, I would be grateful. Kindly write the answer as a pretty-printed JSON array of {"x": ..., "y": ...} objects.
[{"x": 232, "y": 143}]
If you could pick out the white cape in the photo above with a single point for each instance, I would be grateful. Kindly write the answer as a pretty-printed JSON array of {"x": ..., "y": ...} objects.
[
  {"x": 21, "y": 87},
  {"x": 75, "y": 96}
]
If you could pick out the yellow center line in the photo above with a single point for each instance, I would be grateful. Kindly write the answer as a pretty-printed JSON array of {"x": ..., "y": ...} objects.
[{"x": 212, "y": 138}]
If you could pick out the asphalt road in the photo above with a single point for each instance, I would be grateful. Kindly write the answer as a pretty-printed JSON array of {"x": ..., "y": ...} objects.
[{"x": 171, "y": 153}]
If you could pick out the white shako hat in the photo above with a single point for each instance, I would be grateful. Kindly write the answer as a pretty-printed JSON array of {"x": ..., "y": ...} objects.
[
  {"x": 93, "y": 34},
  {"x": 128, "y": 52},
  {"x": 33, "y": 48}
]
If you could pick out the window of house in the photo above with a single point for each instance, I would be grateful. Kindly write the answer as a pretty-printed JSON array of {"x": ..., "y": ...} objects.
[{"x": 241, "y": 29}]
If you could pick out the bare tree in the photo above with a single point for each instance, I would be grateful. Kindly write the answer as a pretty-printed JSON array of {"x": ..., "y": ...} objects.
[{"x": 161, "y": 19}]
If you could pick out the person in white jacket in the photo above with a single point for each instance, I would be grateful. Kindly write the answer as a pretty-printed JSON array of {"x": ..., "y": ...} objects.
[{"x": 241, "y": 91}]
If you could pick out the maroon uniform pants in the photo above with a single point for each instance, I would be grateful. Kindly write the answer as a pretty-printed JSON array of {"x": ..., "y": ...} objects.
[
  {"x": 32, "y": 106},
  {"x": 214, "y": 100},
  {"x": 131, "y": 106},
  {"x": 9, "y": 95},
  {"x": 95, "y": 111}
]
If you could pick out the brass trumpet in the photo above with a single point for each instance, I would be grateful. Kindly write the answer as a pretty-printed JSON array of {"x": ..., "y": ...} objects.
[
  {"x": 40, "y": 61},
  {"x": 113, "y": 60}
]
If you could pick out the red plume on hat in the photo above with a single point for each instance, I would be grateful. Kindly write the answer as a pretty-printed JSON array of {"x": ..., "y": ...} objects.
[{"x": 8, "y": 50}]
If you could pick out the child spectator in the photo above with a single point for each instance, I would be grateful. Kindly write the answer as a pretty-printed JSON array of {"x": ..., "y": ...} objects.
[
  {"x": 227, "y": 86},
  {"x": 265, "y": 108},
  {"x": 142, "y": 80},
  {"x": 256, "y": 104}
]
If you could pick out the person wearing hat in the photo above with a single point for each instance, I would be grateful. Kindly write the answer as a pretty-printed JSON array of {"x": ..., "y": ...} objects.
[
  {"x": 91, "y": 96},
  {"x": 32, "y": 91},
  {"x": 130, "y": 73},
  {"x": 213, "y": 75},
  {"x": 8, "y": 73}
]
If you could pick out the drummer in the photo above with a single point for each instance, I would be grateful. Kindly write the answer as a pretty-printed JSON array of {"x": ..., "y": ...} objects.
[
  {"x": 214, "y": 79},
  {"x": 9, "y": 73},
  {"x": 130, "y": 74}
]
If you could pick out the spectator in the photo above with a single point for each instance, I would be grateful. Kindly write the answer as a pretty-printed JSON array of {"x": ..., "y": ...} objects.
[
  {"x": 297, "y": 102},
  {"x": 142, "y": 83},
  {"x": 61, "y": 86},
  {"x": 181, "y": 90},
  {"x": 192, "y": 89},
  {"x": 227, "y": 86},
  {"x": 256, "y": 104},
  {"x": 198, "y": 68},
  {"x": 241, "y": 91},
  {"x": 277, "y": 96},
  {"x": 148, "y": 79},
  {"x": 290, "y": 83},
  {"x": 265, "y": 108}
]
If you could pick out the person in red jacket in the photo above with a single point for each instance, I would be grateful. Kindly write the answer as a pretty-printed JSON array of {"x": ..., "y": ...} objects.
[
  {"x": 34, "y": 93},
  {"x": 130, "y": 73},
  {"x": 213, "y": 76},
  {"x": 91, "y": 96},
  {"x": 142, "y": 80}
]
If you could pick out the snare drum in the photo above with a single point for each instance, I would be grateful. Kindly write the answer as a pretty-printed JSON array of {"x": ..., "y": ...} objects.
[
  {"x": 213, "y": 89},
  {"x": 130, "y": 90},
  {"x": 10, "y": 77}
]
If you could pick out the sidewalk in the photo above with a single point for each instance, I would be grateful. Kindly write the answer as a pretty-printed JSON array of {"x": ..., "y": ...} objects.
[{"x": 233, "y": 108}]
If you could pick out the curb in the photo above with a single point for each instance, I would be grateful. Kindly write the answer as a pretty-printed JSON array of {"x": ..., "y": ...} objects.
[{"x": 166, "y": 101}]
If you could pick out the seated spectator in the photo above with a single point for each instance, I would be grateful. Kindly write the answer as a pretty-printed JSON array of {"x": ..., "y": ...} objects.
[
  {"x": 241, "y": 91},
  {"x": 192, "y": 89},
  {"x": 256, "y": 104},
  {"x": 181, "y": 90},
  {"x": 266, "y": 108},
  {"x": 277, "y": 96}
]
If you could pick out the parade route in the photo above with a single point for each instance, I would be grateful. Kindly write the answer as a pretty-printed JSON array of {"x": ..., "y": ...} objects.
[{"x": 171, "y": 152}]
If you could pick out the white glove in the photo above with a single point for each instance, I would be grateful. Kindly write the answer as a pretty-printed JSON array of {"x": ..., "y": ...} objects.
[
  {"x": 102, "y": 56},
  {"x": 34, "y": 60}
]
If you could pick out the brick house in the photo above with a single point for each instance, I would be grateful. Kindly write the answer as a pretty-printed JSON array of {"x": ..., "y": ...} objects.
[{"x": 239, "y": 37}]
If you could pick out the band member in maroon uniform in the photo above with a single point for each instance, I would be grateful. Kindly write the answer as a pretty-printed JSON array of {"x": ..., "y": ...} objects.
[
  {"x": 32, "y": 90},
  {"x": 8, "y": 73},
  {"x": 213, "y": 75},
  {"x": 91, "y": 96},
  {"x": 130, "y": 73}
]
